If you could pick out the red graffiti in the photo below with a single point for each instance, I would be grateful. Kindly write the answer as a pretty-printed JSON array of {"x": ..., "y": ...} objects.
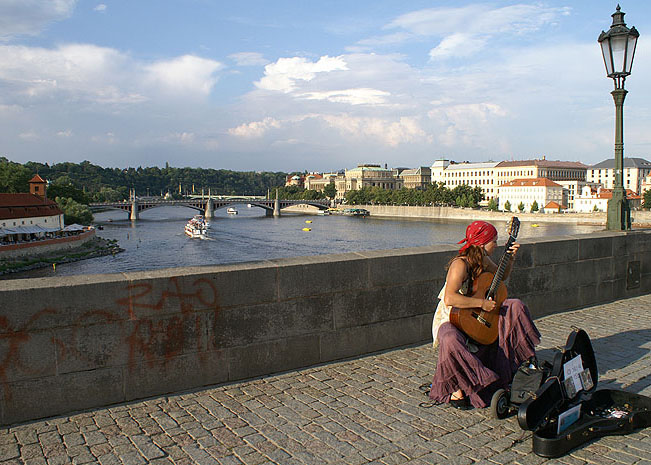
[
  {"x": 185, "y": 314},
  {"x": 150, "y": 337},
  {"x": 16, "y": 338}
]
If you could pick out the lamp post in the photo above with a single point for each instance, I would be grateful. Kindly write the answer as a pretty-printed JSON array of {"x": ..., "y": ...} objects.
[{"x": 618, "y": 49}]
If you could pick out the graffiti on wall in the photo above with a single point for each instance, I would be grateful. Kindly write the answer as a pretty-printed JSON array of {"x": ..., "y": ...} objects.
[{"x": 153, "y": 324}]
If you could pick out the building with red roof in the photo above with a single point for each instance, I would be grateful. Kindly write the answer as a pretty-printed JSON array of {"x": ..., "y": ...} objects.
[
  {"x": 542, "y": 191},
  {"x": 29, "y": 215},
  {"x": 596, "y": 199}
]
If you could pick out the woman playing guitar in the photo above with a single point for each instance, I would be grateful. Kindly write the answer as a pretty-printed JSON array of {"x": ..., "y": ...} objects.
[{"x": 468, "y": 373}]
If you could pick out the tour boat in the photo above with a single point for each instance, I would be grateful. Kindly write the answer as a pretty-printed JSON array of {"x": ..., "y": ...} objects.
[
  {"x": 356, "y": 212},
  {"x": 196, "y": 227},
  {"x": 231, "y": 211}
]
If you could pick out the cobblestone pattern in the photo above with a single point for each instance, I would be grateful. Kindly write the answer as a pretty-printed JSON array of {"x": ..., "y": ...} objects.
[{"x": 364, "y": 410}]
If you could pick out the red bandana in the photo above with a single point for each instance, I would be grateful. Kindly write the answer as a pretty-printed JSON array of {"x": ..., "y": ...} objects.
[{"x": 478, "y": 233}]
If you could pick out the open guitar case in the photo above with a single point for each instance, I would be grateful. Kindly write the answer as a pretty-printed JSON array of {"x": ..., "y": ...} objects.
[{"x": 568, "y": 410}]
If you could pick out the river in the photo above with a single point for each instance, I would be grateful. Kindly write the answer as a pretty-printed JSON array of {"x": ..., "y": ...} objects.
[{"x": 157, "y": 239}]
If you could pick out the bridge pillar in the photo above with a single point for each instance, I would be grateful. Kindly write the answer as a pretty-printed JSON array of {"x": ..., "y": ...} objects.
[
  {"x": 209, "y": 209},
  {"x": 277, "y": 205},
  {"x": 134, "y": 210}
]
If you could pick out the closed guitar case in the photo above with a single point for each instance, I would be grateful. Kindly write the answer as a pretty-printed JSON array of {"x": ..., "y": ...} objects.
[{"x": 568, "y": 410}]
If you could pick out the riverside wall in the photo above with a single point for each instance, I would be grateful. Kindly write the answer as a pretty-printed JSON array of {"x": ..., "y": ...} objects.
[
  {"x": 639, "y": 217},
  {"x": 46, "y": 246},
  {"x": 79, "y": 342}
]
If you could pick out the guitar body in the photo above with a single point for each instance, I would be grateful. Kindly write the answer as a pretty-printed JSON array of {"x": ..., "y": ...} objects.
[{"x": 479, "y": 325}]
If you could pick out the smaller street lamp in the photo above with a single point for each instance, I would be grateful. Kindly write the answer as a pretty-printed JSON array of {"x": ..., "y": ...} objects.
[{"x": 618, "y": 49}]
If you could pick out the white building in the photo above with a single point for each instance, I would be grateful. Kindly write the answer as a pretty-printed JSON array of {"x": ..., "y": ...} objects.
[
  {"x": 471, "y": 174},
  {"x": 26, "y": 215},
  {"x": 416, "y": 178},
  {"x": 596, "y": 199},
  {"x": 571, "y": 190},
  {"x": 367, "y": 175},
  {"x": 526, "y": 191},
  {"x": 318, "y": 181},
  {"x": 635, "y": 170}
]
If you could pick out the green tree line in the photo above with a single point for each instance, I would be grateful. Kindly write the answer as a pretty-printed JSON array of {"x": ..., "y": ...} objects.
[
  {"x": 434, "y": 194},
  {"x": 98, "y": 184}
]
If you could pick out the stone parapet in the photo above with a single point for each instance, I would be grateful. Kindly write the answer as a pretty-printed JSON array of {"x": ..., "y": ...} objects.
[{"x": 78, "y": 342}]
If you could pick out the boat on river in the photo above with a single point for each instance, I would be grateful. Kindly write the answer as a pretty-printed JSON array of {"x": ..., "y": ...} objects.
[
  {"x": 356, "y": 212},
  {"x": 196, "y": 227},
  {"x": 231, "y": 211}
]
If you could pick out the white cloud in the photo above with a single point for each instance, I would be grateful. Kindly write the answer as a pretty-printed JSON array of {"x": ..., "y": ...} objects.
[
  {"x": 480, "y": 25},
  {"x": 101, "y": 8},
  {"x": 64, "y": 134},
  {"x": 359, "y": 96},
  {"x": 458, "y": 45},
  {"x": 77, "y": 72},
  {"x": 283, "y": 74},
  {"x": 467, "y": 124},
  {"x": 29, "y": 17},
  {"x": 187, "y": 74},
  {"x": 387, "y": 132},
  {"x": 255, "y": 129},
  {"x": 248, "y": 59},
  {"x": 29, "y": 135}
]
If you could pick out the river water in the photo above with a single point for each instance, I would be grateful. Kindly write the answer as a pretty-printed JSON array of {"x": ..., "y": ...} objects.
[{"x": 157, "y": 239}]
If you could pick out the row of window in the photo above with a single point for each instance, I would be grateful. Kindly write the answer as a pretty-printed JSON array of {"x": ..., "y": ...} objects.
[{"x": 22, "y": 222}]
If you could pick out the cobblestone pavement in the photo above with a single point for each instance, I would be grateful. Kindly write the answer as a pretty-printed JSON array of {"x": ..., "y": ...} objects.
[{"x": 364, "y": 410}]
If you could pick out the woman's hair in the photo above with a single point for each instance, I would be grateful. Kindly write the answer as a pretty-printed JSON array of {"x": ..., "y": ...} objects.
[{"x": 474, "y": 256}]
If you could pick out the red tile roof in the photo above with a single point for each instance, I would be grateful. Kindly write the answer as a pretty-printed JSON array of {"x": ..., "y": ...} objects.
[
  {"x": 608, "y": 194},
  {"x": 26, "y": 206},
  {"x": 542, "y": 163},
  {"x": 554, "y": 205},
  {"x": 37, "y": 178},
  {"x": 534, "y": 182}
]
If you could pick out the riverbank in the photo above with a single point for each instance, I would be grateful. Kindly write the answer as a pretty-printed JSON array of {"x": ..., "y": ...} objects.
[
  {"x": 640, "y": 218},
  {"x": 95, "y": 247}
]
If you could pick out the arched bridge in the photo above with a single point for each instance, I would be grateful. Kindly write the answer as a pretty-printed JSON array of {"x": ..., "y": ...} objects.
[{"x": 205, "y": 205}]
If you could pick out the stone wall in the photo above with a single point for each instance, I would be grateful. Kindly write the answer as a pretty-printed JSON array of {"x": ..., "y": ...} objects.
[
  {"x": 79, "y": 342},
  {"x": 46, "y": 246},
  {"x": 639, "y": 217}
]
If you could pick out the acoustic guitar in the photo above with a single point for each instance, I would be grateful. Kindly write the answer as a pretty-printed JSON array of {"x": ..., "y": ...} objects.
[{"x": 478, "y": 324}]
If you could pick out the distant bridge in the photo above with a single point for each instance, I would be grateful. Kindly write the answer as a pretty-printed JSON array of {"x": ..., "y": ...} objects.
[{"x": 206, "y": 205}]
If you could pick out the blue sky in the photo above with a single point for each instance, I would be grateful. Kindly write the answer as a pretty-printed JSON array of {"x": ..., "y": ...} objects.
[{"x": 317, "y": 86}]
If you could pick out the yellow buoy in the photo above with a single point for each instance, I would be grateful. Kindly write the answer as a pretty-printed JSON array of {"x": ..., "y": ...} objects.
[
  {"x": 308, "y": 221},
  {"x": 534, "y": 225},
  {"x": 307, "y": 229}
]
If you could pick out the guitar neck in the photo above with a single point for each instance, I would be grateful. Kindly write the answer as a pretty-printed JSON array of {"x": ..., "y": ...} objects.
[{"x": 501, "y": 269}]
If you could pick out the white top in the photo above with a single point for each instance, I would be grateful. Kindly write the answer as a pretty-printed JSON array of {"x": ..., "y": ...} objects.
[{"x": 442, "y": 315}]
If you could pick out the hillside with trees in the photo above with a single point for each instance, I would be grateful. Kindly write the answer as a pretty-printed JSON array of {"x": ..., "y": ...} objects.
[{"x": 112, "y": 184}]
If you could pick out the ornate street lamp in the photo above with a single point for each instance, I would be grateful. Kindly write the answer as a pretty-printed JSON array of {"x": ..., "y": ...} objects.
[{"x": 618, "y": 49}]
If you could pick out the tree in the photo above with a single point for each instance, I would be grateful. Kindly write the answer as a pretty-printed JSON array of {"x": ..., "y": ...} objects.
[
  {"x": 647, "y": 199},
  {"x": 330, "y": 190},
  {"x": 492, "y": 205},
  {"x": 14, "y": 177},
  {"x": 534, "y": 207},
  {"x": 507, "y": 206},
  {"x": 521, "y": 207},
  {"x": 73, "y": 211}
]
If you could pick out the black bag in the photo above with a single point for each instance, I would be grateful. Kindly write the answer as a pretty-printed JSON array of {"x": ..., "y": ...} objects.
[{"x": 568, "y": 410}]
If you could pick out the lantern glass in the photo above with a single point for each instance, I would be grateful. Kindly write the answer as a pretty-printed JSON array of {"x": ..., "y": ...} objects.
[
  {"x": 618, "y": 48},
  {"x": 630, "y": 52},
  {"x": 605, "y": 50}
]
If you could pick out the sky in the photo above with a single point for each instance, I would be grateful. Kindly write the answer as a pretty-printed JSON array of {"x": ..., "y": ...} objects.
[{"x": 289, "y": 85}]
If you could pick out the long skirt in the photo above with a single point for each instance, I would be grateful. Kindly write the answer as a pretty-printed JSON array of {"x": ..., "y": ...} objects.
[{"x": 480, "y": 373}]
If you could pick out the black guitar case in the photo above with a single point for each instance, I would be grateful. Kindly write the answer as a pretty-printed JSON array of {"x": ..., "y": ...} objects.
[{"x": 566, "y": 412}]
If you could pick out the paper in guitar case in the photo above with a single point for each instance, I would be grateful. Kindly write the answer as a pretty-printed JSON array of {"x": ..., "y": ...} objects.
[{"x": 568, "y": 410}]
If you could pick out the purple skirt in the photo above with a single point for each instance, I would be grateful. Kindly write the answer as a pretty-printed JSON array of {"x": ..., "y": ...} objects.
[{"x": 492, "y": 367}]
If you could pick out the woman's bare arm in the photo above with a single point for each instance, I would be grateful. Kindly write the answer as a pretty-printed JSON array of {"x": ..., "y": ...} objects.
[{"x": 456, "y": 275}]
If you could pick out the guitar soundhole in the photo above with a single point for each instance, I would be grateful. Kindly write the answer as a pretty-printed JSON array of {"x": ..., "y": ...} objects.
[{"x": 481, "y": 319}]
